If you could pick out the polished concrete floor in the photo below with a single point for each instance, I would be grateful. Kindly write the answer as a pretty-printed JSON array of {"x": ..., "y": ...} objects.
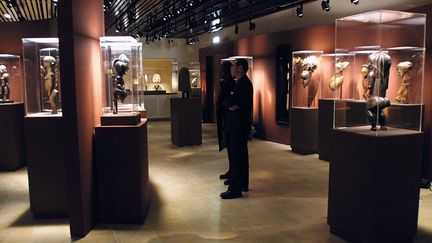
[{"x": 287, "y": 201}]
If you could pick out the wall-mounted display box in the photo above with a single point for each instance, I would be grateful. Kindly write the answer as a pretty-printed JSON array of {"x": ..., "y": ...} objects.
[
  {"x": 11, "y": 113},
  {"x": 159, "y": 76},
  {"x": 45, "y": 132},
  {"x": 305, "y": 91},
  {"x": 377, "y": 137},
  {"x": 123, "y": 75}
]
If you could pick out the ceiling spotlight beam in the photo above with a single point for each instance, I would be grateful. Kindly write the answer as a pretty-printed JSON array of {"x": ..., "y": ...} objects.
[{"x": 300, "y": 10}]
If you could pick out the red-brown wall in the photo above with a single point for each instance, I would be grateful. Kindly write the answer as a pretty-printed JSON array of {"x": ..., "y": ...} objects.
[{"x": 263, "y": 50}]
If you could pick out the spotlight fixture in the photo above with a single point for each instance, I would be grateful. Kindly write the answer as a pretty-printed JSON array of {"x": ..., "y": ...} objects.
[
  {"x": 300, "y": 10},
  {"x": 55, "y": 2},
  {"x": 252, "y": 25},
  {"x": 355, "y": 2},
  {"x": 236, "y": 29},
  {"x": 118, "y": 28},
  {"x": 325, "y": 5}
]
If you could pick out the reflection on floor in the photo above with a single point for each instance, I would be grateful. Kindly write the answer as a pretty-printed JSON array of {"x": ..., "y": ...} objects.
[{"x": 287, "y": 201}]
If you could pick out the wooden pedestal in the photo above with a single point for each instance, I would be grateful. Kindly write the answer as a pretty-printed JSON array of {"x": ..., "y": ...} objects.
[
  {"x": 186, "y": 121},
  {"x": 12, "y": 152},
  {"x": 325, "y": 128},
  {"x": 374, "y": 184},
  {"x": 122, "y": 173},
  {"x": 304, "y": 130},
  {"x": 46, "y": 156}
]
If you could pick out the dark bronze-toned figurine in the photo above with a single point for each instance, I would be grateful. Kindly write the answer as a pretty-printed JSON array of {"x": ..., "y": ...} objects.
[
  {"x": 184, "y": 82},
  {"x": 49, "y": 75},
  {"x": 120, "y": 66},
  {"x": 379, "y": 70},
  {"x": 4, "y": 88}
]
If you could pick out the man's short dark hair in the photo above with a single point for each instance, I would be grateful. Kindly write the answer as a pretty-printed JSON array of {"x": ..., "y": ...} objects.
[{"x": 243, "y": 63}]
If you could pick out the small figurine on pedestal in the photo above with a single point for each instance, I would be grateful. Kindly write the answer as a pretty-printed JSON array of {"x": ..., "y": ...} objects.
[
  {"x": 4, "y": 88},
  {"x": 184, "y": 82},
  {"x": 379, "y": 70},
  {"x": 120, "y": 66},
  {"x": 337, "y": 80},
  {"x": 49, "y": 75},
  {"x": 364, "y": 71},
  {"x": 407, "y": 72}
]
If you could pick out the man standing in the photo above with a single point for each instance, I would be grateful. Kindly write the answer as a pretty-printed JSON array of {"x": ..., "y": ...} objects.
[{"x": 237, "y": 125}]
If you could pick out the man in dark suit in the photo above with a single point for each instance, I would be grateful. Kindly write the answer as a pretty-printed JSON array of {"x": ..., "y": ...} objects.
[{"x": 238, "y": 125}]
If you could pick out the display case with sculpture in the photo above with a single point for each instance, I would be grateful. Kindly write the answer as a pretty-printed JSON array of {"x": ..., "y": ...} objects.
[
  {"x": 195, "y": 79},
  {"x": 337, "y": 83},
  {"x": 384, "y": 147},
  {"x": 305, "y": 92},
  {"x": 124, "y": 79},
  {"x": 121, "y": 138},
  {"x": 44, "y": 126},
  {"x": 11, "y": 113}
]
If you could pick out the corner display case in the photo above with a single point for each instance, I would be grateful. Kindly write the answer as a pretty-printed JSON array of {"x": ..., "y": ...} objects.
[
  {"x": 123, "y": 73},
  {"x": 11, "y": 113},
  {"x": 306, "y": 78},
  {"x": 337, "y": 83},
  {"x": 45, "y": 132},
  {"x": 377, "y": 138},
  {"x": 42, "y": 77}
]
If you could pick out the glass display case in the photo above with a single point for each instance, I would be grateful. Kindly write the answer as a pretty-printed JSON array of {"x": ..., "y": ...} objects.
[
  {"x": 195, "y": 75},
  {"x": 11, "y": 87},
  {"x": 124, "y": 77},
  {"x": 337, "y": 77},
  {"x": 306, "y": 78},
  {"x": 42, "y": 76},
  {"x": 388, "y": 67}
]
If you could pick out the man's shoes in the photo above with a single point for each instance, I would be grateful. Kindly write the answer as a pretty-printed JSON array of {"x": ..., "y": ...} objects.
[
  {"x": 227, "y": 182},
  {"x": 224, "y": 176},
  {"x": 230, "y": 195}
]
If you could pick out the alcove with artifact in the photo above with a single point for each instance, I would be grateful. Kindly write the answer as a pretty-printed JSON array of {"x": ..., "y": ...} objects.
[
  {"x": 378, "y": 135},
  {"x": 121, "y": 139},
  {"x": 305, "y": 91},
  {"x": 45, "y": 131},
  {"x": 11, "y": 113}
]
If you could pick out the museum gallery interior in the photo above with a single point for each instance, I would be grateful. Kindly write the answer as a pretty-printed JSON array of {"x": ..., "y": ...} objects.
[{"x": 109, "y": 120}]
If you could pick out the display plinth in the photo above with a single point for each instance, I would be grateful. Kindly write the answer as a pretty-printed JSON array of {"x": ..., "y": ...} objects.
[
  {"x": 404, "y": 115},
  {"x": 356, "y": 113},
  {"x": 109, "y": 119},
  {"x": 374, "y": 184},
  {"x": 122, "y": 173},
  {"x": 325, "y": 128},
  {"x": 46, "y": 156},
  {"x": 186, "y": 121},
  {"x": 12, "y": 136},
  {"x": 304, "y": 130}
]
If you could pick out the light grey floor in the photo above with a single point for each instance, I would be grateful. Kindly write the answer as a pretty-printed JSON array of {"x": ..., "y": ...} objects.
[{"x": 287, "y": 201}]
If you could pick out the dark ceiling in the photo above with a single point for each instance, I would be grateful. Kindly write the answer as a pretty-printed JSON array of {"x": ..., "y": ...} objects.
[
  {"x": 27, "y": 10},
  {"x": 154, "y": 19}
]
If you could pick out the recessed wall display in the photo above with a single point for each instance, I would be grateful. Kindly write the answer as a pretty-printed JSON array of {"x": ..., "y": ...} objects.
[
  {"x": 42, "y": 76},
  {"x": 283, "y": 79},
  {"x": 158, "y": 75},
  {"x": 124, "y": 78}
]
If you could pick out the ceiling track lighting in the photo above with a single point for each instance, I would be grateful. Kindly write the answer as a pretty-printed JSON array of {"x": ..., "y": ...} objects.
[
  {"x": 236, "y": 29},
  {"x": 355, "y": 2},
  {"x": 300, "y": 11},
  {"x": 325, "y": 5}
]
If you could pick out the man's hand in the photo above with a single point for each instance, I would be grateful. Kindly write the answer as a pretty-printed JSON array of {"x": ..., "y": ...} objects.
[{"x": 234, "y": 108}]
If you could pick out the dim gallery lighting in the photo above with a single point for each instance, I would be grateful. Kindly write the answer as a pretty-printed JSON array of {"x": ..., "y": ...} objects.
[
  {"x": 325, "y": 5},
  {"x": 216, "y": 39},
  {"x": 8, "y": 16},
  {"x": 355, "y": 1},
  {"x": 300, "y": 11}
]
